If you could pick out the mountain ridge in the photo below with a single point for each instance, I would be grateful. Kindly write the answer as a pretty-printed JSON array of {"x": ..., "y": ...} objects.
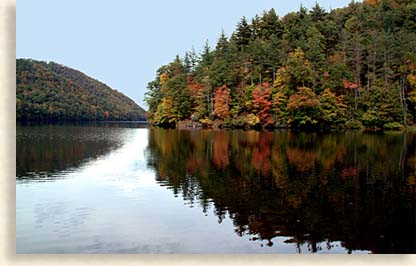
[{"x": 53, "y": 91}]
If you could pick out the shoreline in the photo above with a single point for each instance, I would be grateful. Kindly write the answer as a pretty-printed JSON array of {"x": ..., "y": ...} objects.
[{"x": 216, "y": 125}]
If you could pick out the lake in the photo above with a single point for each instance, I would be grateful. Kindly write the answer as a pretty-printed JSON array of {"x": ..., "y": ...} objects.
[{"x": 126, "y": 188}]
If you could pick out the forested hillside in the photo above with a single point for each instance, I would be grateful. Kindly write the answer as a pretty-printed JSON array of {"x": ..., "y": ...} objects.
[
  {"x": 49, "y": 91},
  {"x": 345, "y": 68}
]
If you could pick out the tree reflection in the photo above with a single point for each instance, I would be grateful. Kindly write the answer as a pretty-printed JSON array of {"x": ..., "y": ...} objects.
[
  {"x": 355, "y": 188},
  {"x": 43, "y": 150}
]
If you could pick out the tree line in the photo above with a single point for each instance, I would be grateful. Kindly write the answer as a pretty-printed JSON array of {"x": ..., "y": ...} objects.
[
  {"x": 50, "y": 91},
  {"x": 351, "y": 67}
]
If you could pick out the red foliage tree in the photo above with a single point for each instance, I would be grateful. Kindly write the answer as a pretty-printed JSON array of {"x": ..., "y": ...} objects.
[
  {"x": 194, "y": 88},
  {"x": 262, "y": 103},
  {"x": 349, "y": 85}
]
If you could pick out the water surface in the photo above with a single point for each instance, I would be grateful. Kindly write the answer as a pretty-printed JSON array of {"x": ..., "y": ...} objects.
[{"x": 122, "y": 188}]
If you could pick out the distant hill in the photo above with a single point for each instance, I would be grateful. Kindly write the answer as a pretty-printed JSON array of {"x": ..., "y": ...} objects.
[{"x": 50, "y": 91}]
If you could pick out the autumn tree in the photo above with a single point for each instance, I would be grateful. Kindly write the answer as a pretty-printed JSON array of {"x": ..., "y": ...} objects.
[
  {"x": 221, "y": 102},
  {"x": 262, "y": 103},
  {"x": 332, "y": 109},
  {"x": 298, "y": 71},
  {"x": 303, "y": 107}
]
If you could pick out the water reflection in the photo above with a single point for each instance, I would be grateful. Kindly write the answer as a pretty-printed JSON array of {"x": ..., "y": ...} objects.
[
  {"x": 46, "y": 152},
  {"x": 355, "y": 189}
]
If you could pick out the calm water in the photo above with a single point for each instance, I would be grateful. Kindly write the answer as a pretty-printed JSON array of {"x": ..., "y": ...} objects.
[{"x": 122, "y": 188}]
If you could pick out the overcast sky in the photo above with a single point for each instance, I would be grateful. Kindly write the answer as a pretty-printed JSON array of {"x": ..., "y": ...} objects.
[{"x": 122, "y": 43}]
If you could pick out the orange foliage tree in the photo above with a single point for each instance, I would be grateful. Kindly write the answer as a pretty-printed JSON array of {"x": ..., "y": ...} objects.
[{"x": 222, "y": 102}]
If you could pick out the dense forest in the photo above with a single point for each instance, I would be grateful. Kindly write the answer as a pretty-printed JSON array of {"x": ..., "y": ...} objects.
[
  {"x": 351, "y": 67},
  {"x": 50, "y": 91}
]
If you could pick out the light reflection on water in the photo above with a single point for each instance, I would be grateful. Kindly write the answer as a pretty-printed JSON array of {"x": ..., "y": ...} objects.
[
  {"x": 116, "y": 198},
  {"x": 114, "y": 205}
]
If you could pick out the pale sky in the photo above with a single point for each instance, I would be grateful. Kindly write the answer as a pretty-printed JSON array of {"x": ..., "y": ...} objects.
[{"x": 122, "y": 43}]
